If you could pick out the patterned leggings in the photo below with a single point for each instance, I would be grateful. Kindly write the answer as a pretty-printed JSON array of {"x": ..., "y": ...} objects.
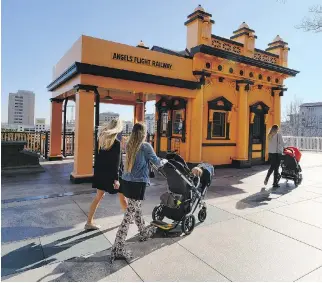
[{"x": 134, "y": 209}]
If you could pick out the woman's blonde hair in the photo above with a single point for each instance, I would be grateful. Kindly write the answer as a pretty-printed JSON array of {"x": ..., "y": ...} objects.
[
  {"x": 273, "y": 131},
  {"x": 135, "y": 141},
  {"x": 108, "y": 133}
]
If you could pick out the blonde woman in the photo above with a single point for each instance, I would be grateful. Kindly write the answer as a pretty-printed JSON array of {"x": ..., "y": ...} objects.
[
  {"x": 275, "y": 150},
  {"x": 106, "y": 168},
  {"x": 135, "y": 178}
]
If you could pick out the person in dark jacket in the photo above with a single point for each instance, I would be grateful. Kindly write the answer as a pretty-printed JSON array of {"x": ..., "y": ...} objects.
[
  {"x": 122, "y": 198},
  {"x": 135, "y": 178},
  {"x": 106, "y": 167}
]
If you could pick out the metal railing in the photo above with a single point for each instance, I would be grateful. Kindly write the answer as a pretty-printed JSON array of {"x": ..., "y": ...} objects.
[
  {"x": 304, "y": 143},
  {"x": 39, "y": 141}
]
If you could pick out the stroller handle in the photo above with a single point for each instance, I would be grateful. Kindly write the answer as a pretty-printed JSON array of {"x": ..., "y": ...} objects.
[{"x": 157, "y": 169}]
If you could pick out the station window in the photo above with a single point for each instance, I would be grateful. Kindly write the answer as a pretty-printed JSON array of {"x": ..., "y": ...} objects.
[
  {"x": 164, "y": 123},
  {"x": 177, "y": 122},
  {"x": 219, "y": 118},
  {"x": 218, "y": 129}
]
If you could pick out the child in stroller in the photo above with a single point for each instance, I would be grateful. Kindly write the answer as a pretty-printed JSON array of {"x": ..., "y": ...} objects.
[
  {"x": 186, "y": 191},
  {"x": 291, "y": 169}
]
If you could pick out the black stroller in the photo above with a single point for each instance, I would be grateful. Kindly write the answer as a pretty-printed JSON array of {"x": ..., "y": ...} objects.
[{"x": 184, "y": 196}]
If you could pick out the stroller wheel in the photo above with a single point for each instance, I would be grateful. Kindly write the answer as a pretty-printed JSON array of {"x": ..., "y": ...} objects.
[
  {"x": 202, "y": 215},
  {"x": 157, "y": 213},
  {"x": 188, "y": 224},
  {"x": 296, "y": 181},
  {"x": 300, "y": 179}
]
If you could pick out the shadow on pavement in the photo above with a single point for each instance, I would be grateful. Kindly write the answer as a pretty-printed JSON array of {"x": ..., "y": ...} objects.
[
  {"x": 263, "y": 196},
  {"x": 98, "y": 265},
  {"x": 15, "y": 261}
]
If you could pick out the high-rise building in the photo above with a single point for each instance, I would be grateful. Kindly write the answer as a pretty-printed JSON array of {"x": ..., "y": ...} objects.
[
  {"x": 127, "y": 127},
  {"x": 108, "y": 116},
  {"x": 150, "y": 123},
  {"x": 21, "y": 108}
]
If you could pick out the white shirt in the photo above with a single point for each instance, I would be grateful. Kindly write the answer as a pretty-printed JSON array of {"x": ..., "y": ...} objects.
[{"x": 276, "y": 144}]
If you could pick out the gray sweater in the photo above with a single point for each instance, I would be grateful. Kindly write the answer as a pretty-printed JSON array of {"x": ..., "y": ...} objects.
[{"x": 276, "y": 144}]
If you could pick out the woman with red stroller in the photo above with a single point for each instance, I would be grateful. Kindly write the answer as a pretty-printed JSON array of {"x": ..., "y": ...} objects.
[{"x": 275, "y": 151}]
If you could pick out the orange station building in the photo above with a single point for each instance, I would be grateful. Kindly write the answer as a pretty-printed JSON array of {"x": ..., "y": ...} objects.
[{"x": 215, "y": 101}]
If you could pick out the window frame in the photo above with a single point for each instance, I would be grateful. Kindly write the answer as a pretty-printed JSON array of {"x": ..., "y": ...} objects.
[
  {"x": 212, "y": 121},
  {"x": 182, "y": 112},
  {"x": 219, "y": 105}
]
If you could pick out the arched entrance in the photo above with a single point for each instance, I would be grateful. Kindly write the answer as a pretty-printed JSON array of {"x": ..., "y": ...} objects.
[{"x": 257, "y": 133}]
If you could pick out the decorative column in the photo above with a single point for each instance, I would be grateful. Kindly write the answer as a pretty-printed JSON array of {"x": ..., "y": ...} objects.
[
  {"x": 241, "y": 159},
  {"x": 196, "y": 122},
  {"x": 55, "y": 129},
  {"x": 277, "y": 92},
  {"x": 139, "y": 112},
  {"x": 84, "y": 135}
]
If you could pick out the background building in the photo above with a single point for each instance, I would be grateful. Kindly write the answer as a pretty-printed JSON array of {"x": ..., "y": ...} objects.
[
  {"x": 150, "y": 123},
  {"x": 108, "y": 116},
  {"x": 21, "y": 108},
  {"x": 40, "y": 125},
  {"x": 311, "y": 119},
  {"x": 127, "y": 127},
  {"x": 304, "y": 120}
]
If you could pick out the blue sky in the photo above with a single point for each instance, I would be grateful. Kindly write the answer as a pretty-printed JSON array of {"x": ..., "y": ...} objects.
[{"x": 37, "y": 33}]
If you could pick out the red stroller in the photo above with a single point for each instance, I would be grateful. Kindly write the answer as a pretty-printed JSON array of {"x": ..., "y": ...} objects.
[{"x": 291, "y": 169}]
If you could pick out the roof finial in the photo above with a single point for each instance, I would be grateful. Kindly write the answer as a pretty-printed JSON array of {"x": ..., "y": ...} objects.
[{"x": 199, "y": 8}]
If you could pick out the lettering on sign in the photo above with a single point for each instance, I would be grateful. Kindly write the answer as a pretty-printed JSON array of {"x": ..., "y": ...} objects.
[{"x": 142, "y": 61}]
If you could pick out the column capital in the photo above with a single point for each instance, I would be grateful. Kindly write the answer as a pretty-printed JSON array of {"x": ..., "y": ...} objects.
[
  {"x": 278, "y": 91},
  {"x": 86, "y": 88},
  {"x": 245, "y": 83}
]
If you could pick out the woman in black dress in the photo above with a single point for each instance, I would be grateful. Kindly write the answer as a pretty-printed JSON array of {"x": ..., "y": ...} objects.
[{"x": 106, "y": 168}]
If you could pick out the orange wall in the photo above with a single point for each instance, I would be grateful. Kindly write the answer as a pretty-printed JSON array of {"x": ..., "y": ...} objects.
[{"x": 100, "y": 52}]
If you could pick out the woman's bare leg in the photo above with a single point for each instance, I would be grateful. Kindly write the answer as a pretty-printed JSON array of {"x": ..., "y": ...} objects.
[
  {"x": 94, "y": 205},
  {"x": 123, "y": 201}
]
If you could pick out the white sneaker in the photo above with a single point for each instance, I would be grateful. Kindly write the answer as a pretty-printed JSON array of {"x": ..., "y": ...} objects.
[{"x": 92, "y": 227}]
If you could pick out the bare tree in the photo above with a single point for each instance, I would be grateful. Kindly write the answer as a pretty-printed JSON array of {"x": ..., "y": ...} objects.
[
  {"x": 291, "y": 118},
  {"x": 313, "y": 23},
  {"x": 301, "y": 120}
]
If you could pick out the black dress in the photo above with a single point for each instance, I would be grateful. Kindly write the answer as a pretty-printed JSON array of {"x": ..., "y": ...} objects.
[{"x": 107, "y": 167}]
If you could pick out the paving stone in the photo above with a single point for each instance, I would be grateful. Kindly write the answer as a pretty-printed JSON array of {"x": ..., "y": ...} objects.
[
  {"x": 21, "y": 256},
  {"x": 318, "y": 199},
  {"x": 314, "y": 276},
  {"x": 295, "y": 229},
  {"x": 174, "y": 263},
  {"x": 306, "y": 211},
  {"x": 39, "y": 218},
  {"x": 315, "y": 189},
  {"x": 73, "y": 243},
  {"x": 241, "y": 208},
  {"x": 81, "y": 269},
  {"x": 244, "y": 251},
  {"x": 293, "y": 196}
]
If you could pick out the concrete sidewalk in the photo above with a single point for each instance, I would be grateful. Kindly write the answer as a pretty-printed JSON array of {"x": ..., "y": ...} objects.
[{"x": 250, "y": 234}]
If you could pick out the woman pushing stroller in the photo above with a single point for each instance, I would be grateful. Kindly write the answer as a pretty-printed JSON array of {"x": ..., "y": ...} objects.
[
  {"x": 135, "y": 179},
  {"x": 275, "y": 150}
]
